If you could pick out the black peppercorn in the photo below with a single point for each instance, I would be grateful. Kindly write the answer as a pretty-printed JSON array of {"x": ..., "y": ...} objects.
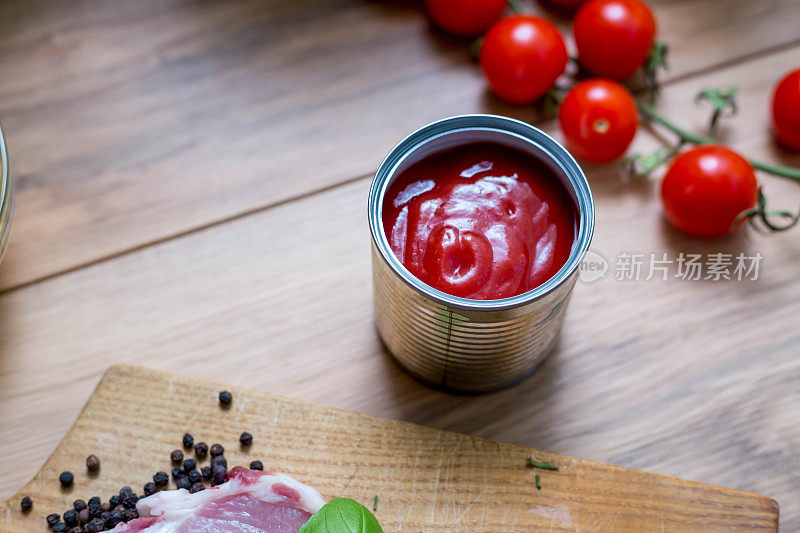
[
  {"x": 219, "y": 460},
  {"x": 125, "y": 491},
  {"x": 76, "y": 529},
  {"x": 104, "y": 516},
  {"x": 95, "y": 526},
  {"x": 206, "y": 471},
  {"x": 188, "y": 440},
  {"x": 189, "y": 464},
  {"x": 149, "y": 488},
  {"x": 113, "y": 519},
  {"x": 94, "y": 509},
  {"x": 53, "y": 519},
  {"x": 160, "y": 479},
  {"x": 93, "y": 499},
  {"x": 66, "y": 479},
  {"x": 201, "y": 450},
  {"x": 71, "y": 518},
  {"x": 177, "y": 472},
  {"x": 83, "y": 516},
  {"x": 256, "y": 465},
  {"x": 25, "y": 504},
  {"x": 225, "y": 397},
  {"x": 176, "y": 456},
  {"x": 92, "y": 463},
  {"x": 114, "y": 500},
  {"x": 194, "y": 476},
  {"x": 129, "y": 514},
  {"x": 79, "y": 505},
  {"x": 183, "y": 483},
  {"x": 216, "y": 449},
  {"x": 129, "y": 501},
  {"x": 218, "y": 475},
  {"x": 197, "y": 487},
  {"x": 246, "y": 439},
  {"x": 60, "y": 527},
  {"x": 105, "y": 506}
]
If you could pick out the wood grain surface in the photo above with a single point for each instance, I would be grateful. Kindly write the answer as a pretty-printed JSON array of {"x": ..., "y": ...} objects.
[
  {"x": 132, "y": 122},
  {"x": 153, "y": 161},
  {"x": 425, "y": 479},
  {"x": 692, "y": 379}
]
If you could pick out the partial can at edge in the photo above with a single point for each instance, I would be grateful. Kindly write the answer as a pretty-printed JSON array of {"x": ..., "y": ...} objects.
[
  {"x": 455, "y": 343},
  {"x": 6, "y": 198}
]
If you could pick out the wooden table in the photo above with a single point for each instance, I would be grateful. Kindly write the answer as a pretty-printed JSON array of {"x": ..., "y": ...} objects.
[{"x": 191, "y": 183}]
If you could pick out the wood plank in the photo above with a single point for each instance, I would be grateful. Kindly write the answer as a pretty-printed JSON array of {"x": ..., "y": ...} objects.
[
  {"x": 426, "y": 479},
  {"x": 691, "y": 379},
  {"x": 131, "y": 122}
]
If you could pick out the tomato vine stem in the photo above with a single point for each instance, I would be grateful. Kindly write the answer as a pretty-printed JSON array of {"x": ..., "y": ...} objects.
[
  {"x": 516, "y": 6},
  {"x": 650, "y": 113},
  {"x": 762, "y": 214}
]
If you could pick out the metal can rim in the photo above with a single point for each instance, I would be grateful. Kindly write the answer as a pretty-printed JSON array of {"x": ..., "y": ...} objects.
[{"x": 549, "y": 146}]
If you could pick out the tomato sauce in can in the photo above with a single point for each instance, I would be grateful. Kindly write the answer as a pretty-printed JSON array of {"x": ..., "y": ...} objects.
[
  {"x": 479, "y": 224},
  {"x": 480, "y": 221}
]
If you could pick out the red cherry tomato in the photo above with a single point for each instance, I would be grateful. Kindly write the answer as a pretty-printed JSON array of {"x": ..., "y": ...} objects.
[
  {"x": 614, "y": 36},
  {"x": 786, "y": 110},
  {"x": 465, "y": 17},
  {"x": 706, "y": 188},
  {"x": 599, "y": 120},
  {"x": 522, "y": 56}
]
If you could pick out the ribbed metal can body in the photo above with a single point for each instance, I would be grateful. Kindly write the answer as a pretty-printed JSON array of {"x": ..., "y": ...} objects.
[{"x": 456, "y": 343}]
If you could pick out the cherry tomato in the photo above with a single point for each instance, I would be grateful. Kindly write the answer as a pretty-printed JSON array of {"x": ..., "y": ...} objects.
[
  {"x": 599, "y": 120},
  {"x": 522, "y": 56},
  {"x": 614, "y": 36},
  {"x": 786, "y": 110},
  {"x": 465, "y": 17},
  {"x": 706, "y": 188}
]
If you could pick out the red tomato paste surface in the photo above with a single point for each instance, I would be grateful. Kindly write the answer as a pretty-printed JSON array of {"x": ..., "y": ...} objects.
[{"x": 481, "y": 221}]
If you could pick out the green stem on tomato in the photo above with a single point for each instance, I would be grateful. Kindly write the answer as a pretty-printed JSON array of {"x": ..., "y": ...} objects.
[
  {"x": 656, "y": 61},
  {"x": 640, "y": 165},
  {"x": 762, "y": 214},
  {"x": 777, "y": 170},
  {"x": 694, "y": 138},
  {"x": 722, "y": 99},
  {"x": 475, "y": 48},
  {"x": 516, "y": 6}
]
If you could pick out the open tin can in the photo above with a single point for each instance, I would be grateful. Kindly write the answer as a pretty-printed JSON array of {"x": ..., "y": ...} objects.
[{"x": 459, "y": 344}]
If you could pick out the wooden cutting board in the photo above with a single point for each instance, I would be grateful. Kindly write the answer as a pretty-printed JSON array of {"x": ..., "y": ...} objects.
[{"x": 425, "y": 479}]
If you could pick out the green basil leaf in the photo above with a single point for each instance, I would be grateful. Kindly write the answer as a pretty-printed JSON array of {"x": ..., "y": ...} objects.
[{"x": 342, "y": 515}]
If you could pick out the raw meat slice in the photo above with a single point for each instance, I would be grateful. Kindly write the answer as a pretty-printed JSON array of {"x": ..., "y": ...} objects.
[{"x": 250, "y": 501}]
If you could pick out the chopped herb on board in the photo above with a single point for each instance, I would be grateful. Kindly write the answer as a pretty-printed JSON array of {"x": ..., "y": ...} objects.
[
  {"x": 540, "y": 464},
  {"x": 375, "y": 503},
  {"x": 538, "y": 482}
]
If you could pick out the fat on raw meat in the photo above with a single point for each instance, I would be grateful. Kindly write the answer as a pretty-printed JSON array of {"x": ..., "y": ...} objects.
[{"x": 250, "y": 501}]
